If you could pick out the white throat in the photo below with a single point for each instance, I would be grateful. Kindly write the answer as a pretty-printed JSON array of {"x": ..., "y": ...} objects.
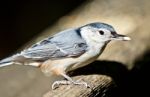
[{"x": 93, "y": 52}]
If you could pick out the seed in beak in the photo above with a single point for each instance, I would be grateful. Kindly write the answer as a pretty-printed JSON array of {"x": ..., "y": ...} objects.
[
  {"x": 121, "y": 37},
  {"x": 126, "y": 38}
]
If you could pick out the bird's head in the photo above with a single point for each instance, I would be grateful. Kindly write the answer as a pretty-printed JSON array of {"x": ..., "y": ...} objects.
[{"x": 101, "y": 32}]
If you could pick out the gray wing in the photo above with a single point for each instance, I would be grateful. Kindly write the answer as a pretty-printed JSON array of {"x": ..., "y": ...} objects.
[{"x": 68, "y": 43}]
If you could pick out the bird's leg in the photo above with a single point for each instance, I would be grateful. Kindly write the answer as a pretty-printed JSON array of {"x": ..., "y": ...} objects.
[{"x": 68, "y": 82}]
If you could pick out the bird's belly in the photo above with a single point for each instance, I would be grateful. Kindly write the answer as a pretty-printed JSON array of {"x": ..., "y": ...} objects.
[{"x": 69, "y": 64}]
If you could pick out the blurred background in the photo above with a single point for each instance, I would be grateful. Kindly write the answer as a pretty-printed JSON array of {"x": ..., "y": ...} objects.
[{"x": 24, "y": 22}]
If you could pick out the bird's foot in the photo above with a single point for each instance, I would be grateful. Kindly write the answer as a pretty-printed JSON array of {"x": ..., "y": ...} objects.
[
  {"x": 66, "y": 82},
  {"x": 81, "y": 83},
  {"x": 62, "y": 82}
]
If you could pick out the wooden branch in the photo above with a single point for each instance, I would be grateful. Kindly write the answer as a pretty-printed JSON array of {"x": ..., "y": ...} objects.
[{"x": 100, "y": 85}]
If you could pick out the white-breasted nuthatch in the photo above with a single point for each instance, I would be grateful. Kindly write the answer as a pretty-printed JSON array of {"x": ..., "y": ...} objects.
[{"x": 67, "y": 50}]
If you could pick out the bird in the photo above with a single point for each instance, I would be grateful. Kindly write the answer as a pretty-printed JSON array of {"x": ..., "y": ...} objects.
[{"x": 67, "y": 50}]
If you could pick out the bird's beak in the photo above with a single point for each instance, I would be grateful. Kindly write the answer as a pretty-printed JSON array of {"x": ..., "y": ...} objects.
[{"x": 120, "y": 37}]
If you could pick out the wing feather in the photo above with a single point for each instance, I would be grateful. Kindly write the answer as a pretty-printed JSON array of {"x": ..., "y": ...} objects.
[{"x": 64, "y": 44}]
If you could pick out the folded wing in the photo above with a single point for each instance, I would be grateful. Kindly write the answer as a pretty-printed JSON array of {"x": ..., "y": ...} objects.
[{"x": 68, "y": 43}]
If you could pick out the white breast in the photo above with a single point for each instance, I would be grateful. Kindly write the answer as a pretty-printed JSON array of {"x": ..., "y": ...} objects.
[{"x": 87, "y": 58}]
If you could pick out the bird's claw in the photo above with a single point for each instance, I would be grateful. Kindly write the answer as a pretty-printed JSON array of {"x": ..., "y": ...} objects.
[
  {"x": 82, "y": 83},
  {"x": 62, "y": 82},
  {"x": 65, "y": 82}
]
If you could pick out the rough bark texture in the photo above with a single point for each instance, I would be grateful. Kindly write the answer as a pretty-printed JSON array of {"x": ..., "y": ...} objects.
[{"x": 100, "y": 85}]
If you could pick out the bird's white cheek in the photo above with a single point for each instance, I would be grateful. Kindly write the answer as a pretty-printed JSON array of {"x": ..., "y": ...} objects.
[{"x": 94, "y": 38}]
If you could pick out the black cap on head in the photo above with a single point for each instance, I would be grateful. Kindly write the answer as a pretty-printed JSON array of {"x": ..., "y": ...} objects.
[{"x": 101, "y": 25}]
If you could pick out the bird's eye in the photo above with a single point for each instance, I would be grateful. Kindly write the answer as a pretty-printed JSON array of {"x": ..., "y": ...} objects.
[{"x": 101, "y": 32}]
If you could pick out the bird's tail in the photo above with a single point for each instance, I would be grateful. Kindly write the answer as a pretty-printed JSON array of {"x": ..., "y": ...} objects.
[
  {"x": 2, "y": 64},
  {"x": 19, "y": 60},
  {"x": 7, "y": 61}
]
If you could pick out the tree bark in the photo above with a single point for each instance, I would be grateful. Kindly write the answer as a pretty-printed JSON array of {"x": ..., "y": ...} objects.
[{"x": 100, "y": 84}]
